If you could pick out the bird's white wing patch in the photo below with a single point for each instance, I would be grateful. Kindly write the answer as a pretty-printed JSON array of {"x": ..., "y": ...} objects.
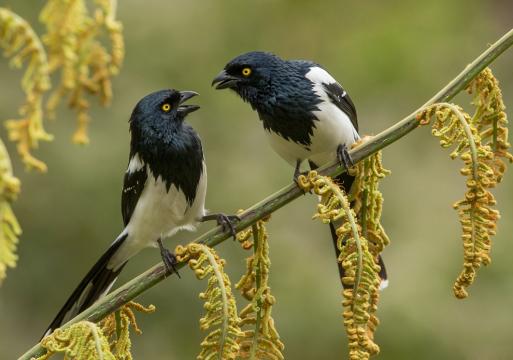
[
  {"x": 135, "y": 164},
  {"x": 334, "y": 126},
  {"x": 318, "y": 75},
  {"x": 383, "y": 285}
]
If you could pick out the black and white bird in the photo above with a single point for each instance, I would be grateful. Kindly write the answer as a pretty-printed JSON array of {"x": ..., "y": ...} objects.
[
  {"x": 163, "y": 192},
  {"x": 306, "y": 113}
]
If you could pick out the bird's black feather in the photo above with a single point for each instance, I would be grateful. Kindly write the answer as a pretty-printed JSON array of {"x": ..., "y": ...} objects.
[
  {"x": 133, "y": 186},
  {"x": 289, "y": 105},
  {"x": 341, "y": 99},
  {"x": 98, "y": 279},
  {"x": 283, "y": 99}
]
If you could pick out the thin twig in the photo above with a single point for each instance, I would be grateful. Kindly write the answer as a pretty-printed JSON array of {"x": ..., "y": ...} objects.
[{"x": 258, "y": 312}]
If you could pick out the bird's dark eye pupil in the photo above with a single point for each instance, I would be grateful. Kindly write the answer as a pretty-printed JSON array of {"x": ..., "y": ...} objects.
[{"x": 165, "y": 107}]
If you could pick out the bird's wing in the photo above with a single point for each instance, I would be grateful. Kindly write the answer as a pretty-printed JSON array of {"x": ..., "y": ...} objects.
[
  {"x": 133, "y": 186},
  {"x": 324, "y": 82},
  {"x": 341, "y": 99}
]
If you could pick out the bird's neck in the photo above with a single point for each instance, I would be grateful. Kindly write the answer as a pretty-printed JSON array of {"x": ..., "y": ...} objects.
[{"x": 153, "y": 142}]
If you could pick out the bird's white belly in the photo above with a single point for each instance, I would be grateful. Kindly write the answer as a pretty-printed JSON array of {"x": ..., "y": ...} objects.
[
  {"x": 289, "y": 150},
  {"x": 159, "y": 214},
  {"x": 332, "y": 129}
]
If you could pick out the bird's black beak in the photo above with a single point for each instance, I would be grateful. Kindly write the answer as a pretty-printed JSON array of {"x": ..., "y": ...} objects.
[
  {"x": 186, "y": 109},
  {"x": 224, "y": 80}
]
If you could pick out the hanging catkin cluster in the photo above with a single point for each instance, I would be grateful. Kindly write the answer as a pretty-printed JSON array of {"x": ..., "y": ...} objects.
[
  {"x": 116, "y": 328},
  {"x": 490, "y": 119},
  {"x": 23, "y": 46},
  {"x": 9, "y": 227},
  {"x": 108, "y": 340},
  {"x": 83, "y": 340},
  {"x": 368, "y": 200},
  {"x": 221, "y": 311},
  {"x": 74, "y": 47},
  {"x": 475, "y": 139},
  {"x": 361, "y": 271},
  {"x": 260, "y": 339},
  {"x": 86, "y": 66}
]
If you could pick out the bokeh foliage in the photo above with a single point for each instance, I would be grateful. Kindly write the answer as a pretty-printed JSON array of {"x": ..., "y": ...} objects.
[
  {"x": 73, "y": 44},
  {"x": 391, "y": 57}
]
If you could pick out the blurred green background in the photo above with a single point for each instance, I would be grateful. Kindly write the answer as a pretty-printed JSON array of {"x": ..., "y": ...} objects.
[{"x": 391, "y": 56}]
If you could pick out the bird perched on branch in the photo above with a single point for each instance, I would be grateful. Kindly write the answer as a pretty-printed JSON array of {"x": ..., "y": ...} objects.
[
  {"x": 163, "y": 192},
  {"x": 306, "y": 113}
]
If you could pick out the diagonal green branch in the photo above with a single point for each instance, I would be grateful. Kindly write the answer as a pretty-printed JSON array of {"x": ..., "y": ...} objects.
[{"x": 289, "y": 193}]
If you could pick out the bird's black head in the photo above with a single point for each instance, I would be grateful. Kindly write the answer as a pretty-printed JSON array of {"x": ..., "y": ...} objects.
[
  {"x": 250, "y": 74},
  {"x": 162, "y": 110}
]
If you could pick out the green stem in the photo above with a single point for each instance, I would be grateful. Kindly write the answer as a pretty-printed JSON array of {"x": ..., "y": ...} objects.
[
  {"x": 258, "y": 312},
  {"x": 363, "y": 210},
  {"x": 97, "y": 342},
  {"x": 286, "y": 195},
  {"x": 468, "y": 134},
  {"x": 356, "y": 236},
  {"x": 224, "y": 296}
]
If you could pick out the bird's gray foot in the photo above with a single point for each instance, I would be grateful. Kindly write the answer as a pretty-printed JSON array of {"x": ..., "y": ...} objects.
[
  {"x": 168, "y": 258},
  {"x": 227, "y": 222},
  {"x": 343, "y": 156}
]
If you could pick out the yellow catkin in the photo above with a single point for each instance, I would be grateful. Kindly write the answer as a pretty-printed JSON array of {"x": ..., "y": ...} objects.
[
  {"x": 83, "y": 340},
  {"x": 361, "y": 271},
  {"x": 109, "y": 339},
  {"x": 260, "y": 339},
  {"x": 116, "y": 328},
  {"x": 9, "y": 227},
  {"x": 22, "y": 45},
  {"x": 490, "y": 119},
  {"x": 368, "y": 200},
  {"x": 481, "y": 143},
  {"x": 221, "y": 318},
  {"x": 75, "y": 49}
]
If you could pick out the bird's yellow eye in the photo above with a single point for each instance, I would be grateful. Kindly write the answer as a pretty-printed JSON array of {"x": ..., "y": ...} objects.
[
  {"x": 246, "y": 71},
  {"x": 166, "y": 107}
]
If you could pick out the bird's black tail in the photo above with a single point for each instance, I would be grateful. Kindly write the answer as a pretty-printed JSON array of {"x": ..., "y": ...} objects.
[
  {"x": 346, "y": 181},
  {"x": 94, "y": 285}
]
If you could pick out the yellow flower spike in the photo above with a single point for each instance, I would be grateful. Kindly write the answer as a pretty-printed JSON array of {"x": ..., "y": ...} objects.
[
  {"x": 9, "y": 226},
  {"x": 481, "y": 143},
  {"x": 361, "y": 270},
  {"x": 19, "y": 40},
  {"x": 221, "y": 312},
  {"x": 368, "y": 201},
  {"x": 83, "y": 340},
  {"x": 116, "y": 328},
  {"x": 259, "y": 339}
]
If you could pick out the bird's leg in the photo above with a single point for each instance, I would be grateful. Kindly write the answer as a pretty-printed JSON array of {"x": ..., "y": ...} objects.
[
  {"x": 227, "y": 222},
  {"x": 168, "y": 258},
  {"x": 296, "y": 171},
  {"x": 343, "y": 156}
]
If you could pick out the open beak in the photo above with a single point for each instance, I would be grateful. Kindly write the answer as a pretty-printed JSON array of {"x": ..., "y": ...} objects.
[
  {"x": 224, "y": 80},
  {"x": 186, "y": 109}
]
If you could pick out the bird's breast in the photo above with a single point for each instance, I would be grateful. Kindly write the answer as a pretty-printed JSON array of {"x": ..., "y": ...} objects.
[
  {"x": 161, "y": 212},
  {"x": 288, "y": 149}
]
